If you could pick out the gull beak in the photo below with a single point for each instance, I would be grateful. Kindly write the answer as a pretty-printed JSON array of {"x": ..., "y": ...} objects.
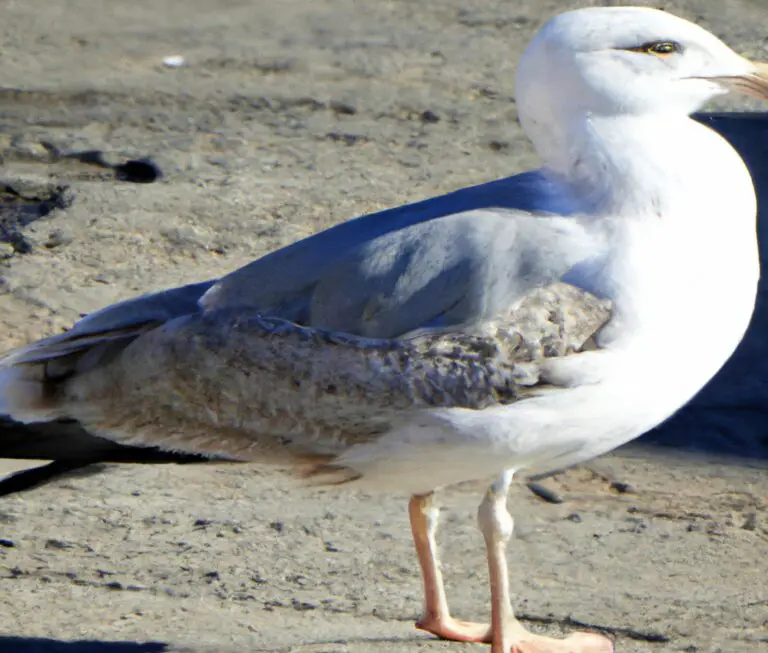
[{"x": 754, "y": 82}]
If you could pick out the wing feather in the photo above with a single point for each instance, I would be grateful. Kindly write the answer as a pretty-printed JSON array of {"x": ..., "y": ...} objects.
[{"x": 237, "y": 383}]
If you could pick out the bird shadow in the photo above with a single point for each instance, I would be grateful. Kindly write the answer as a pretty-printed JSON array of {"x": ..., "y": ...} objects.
[{"x": 47, "y": 645}]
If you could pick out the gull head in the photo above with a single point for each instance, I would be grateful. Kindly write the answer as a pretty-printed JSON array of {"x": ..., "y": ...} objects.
[{"x": 614, "y": 61}]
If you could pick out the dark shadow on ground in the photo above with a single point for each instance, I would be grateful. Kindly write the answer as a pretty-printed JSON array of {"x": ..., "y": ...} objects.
[
  {"x": 45, "y": 645},
  {"x": 71, "y": 449}
]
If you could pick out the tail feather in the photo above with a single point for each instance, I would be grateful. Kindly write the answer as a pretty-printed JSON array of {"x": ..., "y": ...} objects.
[
  {"x": 23, "y": 395},
  {"x": 69, "y": 343},
  {"x": 31, "y": 378}
]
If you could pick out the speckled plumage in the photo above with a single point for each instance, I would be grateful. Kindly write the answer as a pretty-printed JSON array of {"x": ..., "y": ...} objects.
[{"x": 238, "y": 383}]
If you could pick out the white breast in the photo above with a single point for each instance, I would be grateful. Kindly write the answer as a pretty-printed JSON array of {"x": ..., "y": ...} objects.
[{"x": 683, "y": 274}]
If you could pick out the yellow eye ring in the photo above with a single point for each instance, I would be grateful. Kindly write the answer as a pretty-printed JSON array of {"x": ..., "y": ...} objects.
[{"x": 658, "y": 48}]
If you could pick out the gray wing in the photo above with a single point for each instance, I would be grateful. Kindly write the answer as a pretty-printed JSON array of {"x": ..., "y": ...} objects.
[
  {"x": 287, "y": 276},
  {"x": 443, "y": 262},
  {"x": 446, "y": 273}
]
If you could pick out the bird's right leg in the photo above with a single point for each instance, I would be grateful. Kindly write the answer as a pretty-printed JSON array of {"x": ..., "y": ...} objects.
[
  {"x": 437, "y": 618},
  {"x": 508, "y": 634}
]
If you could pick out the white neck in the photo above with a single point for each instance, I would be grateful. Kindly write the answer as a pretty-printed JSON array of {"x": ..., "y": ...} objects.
[{"x": 650, "y": 164}]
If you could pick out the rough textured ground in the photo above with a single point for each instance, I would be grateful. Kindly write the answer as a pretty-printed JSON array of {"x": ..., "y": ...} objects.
[{"x": 289, "y": 117}]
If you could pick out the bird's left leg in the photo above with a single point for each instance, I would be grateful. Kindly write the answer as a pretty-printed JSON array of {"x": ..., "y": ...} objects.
[
  {"x": 508, "y": 634},
  {"x": 436, "y": 618}
]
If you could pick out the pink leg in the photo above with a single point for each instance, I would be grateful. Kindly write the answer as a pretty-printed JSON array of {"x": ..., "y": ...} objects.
[
  {"x": 508, "y": 634},
  {"x": 436, "y": 618}
]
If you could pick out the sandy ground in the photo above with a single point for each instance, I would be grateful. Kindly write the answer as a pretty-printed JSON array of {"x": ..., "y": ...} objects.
[{"x": 287, "y": 118}]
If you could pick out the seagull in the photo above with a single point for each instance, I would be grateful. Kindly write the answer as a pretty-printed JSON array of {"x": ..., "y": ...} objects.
[{"x": 529, "y": 323}]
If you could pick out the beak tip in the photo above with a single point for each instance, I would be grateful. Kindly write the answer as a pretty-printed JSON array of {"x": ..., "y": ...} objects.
[{"x": 753, "y": 82}]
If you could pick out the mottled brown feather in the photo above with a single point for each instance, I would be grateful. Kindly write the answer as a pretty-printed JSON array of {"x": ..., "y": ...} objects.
[{"x": 249, "y": 386}]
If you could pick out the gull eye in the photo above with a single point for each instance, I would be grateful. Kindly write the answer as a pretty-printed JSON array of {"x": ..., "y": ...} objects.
[{"x": 659, "y": 48}]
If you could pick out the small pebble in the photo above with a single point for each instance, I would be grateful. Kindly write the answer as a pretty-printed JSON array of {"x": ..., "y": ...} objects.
[
  {"x": 174, "y": 61},
  {"x": 750, "y": 523},
  {"x": 277, "y": 526},
  {"x": 53, "y": 543},
  {"x": 138, "y": 171},
  {"x": 622, "y": 487},
  {"x": 498, "y": 145},
  {"x": 544, "y": 493},
  {"x": 715, "y": 528},
  {"x": 56, "y": 238},
  {"x": 344, "y": 108},
  {"x": 429, "y": 116}
]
